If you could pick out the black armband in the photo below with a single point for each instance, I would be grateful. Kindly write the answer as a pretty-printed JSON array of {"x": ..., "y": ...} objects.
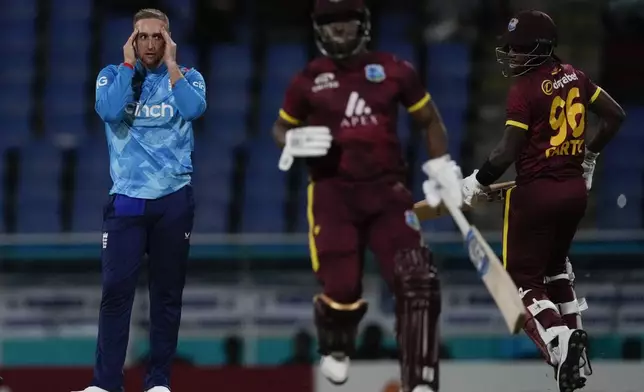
[{"x": 488, "y": 173}]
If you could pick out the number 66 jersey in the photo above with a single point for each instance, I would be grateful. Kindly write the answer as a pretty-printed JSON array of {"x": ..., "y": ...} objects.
[{"x": 550, "y": 104}]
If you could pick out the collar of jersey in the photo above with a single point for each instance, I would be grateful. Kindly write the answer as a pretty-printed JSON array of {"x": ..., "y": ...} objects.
[{"x": 161, "y": 69}]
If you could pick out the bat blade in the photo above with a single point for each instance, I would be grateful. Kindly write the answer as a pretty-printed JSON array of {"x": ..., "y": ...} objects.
[{"x": 497, "y": 280}]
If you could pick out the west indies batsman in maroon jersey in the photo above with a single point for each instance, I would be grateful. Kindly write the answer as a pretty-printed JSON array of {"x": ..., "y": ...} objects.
[
  {"x": 357, "y": 197},
  {"x": 545, "y": 136}
]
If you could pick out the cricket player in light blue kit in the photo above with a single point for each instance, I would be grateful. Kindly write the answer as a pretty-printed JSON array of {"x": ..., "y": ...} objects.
[{"x": 147, "y": 104}]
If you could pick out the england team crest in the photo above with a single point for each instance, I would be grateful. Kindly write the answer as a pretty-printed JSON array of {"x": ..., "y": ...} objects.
[{"x": 375, "y": 73}]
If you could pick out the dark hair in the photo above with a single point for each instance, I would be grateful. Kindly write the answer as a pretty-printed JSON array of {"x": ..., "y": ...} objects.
[{"x": 152, "y": 13}]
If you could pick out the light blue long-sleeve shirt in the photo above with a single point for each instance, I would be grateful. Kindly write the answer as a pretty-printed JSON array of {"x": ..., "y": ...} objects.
[{"x": 148, "y": 124}]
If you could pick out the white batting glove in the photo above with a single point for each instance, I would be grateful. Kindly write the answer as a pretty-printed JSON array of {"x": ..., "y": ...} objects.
[
  {"x": 471, "y": 188},
  {"x": 305, "y": 142},
  {"x": 590, "y": 159},
  {"x": 443, "y": 174}
]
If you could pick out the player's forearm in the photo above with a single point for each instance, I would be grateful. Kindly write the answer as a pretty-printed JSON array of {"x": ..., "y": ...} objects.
[
  {"x": 498, "y": 162},
  {"x": 190, "y": 103},
  {"x": 175, "y": 73},
  {"x": 502, "y": 156},
  {"x": 279, "y": 132},
  {"x": 429, "y": 118},
  {"x": 111, "y": 102},
  {"x": 189, "y": 95}
]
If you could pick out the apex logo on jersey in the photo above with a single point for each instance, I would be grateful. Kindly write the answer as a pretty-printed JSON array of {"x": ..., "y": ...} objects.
[
  {"x": 375, "y": 73},
  {"x": 357, "y": 113},
  {"x": 149, "y": 111},
  {"x": 325, "y": 81}
]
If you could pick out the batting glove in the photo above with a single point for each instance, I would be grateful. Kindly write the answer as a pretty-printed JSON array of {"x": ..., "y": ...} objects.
[
  {"x": 443, "y": 175},
  {"x": 471, "y": 188},
  {"x": 588, "y": 164},
  {"x": 305, "y": 142}
]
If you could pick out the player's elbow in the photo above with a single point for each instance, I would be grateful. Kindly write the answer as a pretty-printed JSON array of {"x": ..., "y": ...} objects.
[
  {"x": 279, "y": 134},
  {"x": 107, "y": 113},
  {"x": 620, "y": 115},
  {"x": 193, "y": 112}
]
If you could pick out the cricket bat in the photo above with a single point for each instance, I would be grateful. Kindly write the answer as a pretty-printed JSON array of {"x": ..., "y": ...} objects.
[
  {"x": 493, "y": 193},
  {"x": 494, "y": 276}
]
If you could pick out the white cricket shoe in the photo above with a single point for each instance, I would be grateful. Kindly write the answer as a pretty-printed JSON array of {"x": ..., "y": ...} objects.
[
  {"x": 92, "y": 389},
  {"x": 571, "y": 348},
  {"x": 423, "y": 388},
  {"x": 159, "y": 389},
  {"x": 335, "y": 368}
]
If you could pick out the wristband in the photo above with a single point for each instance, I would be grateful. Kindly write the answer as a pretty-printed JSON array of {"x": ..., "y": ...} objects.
[
  {"x": 488, "y": 173},
  {"x": 130, "y": 66}
]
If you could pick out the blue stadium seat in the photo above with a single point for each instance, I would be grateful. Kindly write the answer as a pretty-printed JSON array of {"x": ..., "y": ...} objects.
[
  {"x": 38, "y": 188},
  {"x": 18, "y": 11},
  {"x": 187, "y": 57},
  {"x": 115, "y": 31},
  {"x": 449, "y": 92},
  {"x": 20, "y": 71},
  {"x": 212, "y": 196},
  {"x": 211, "y": 214},
  {"x": 264, "y": 191},
  {"x": 231, "y": 62},
  {"x": 73, "y": 40},
  {"x": 69, "y": 74},
  {"x": 284, "y": 61},
  {"x": 92, "y": 185},
  {"x": 71, "y": 10},
  {"x": 70, "y": 124},
  {"x": 628, "y": 182},
  {"x": 230, "y": 97},
  {"x": 227, "y": 129},
  {"x": 212, "y": 180},
  {"x": 16, "y": 108},
  {"x": 16, "y": 99},
  {"x": 393, "y": 26},
  {"x": 15, "y": 130},
  {"x": 64, "y": 101},
  {"x": 301, "y": 223},
  {"x": 403, "y": 50},
  {"x": 631, "y": 131},
  {"x": 22, "y": 36},
  {"x": 67, "y": 33},
  {"x": 623, "y": 153},
  {"x": 448, "y": 59}
]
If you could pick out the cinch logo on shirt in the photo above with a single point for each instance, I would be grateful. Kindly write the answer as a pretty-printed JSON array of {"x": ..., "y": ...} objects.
[
  {"x": 357, "y": 113},
  {"x": 150, "y": 111}
]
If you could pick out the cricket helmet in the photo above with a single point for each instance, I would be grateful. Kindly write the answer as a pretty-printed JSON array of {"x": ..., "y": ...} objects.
[
  {"x": 342, "y": 28},
  {"x": 528, "y": 42}
]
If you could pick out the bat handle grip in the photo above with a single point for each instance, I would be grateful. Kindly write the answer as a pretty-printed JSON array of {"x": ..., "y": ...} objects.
[{"x": 457, "y": 214}]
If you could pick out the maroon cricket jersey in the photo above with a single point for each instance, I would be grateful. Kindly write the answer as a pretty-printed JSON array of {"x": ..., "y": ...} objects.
[
  {"x": 550, "y": 103},
  {"x": 358, "y": 101}
]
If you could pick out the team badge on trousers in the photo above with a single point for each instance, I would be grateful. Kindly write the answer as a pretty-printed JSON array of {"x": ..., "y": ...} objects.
[{"x": 375, "y": 73}]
